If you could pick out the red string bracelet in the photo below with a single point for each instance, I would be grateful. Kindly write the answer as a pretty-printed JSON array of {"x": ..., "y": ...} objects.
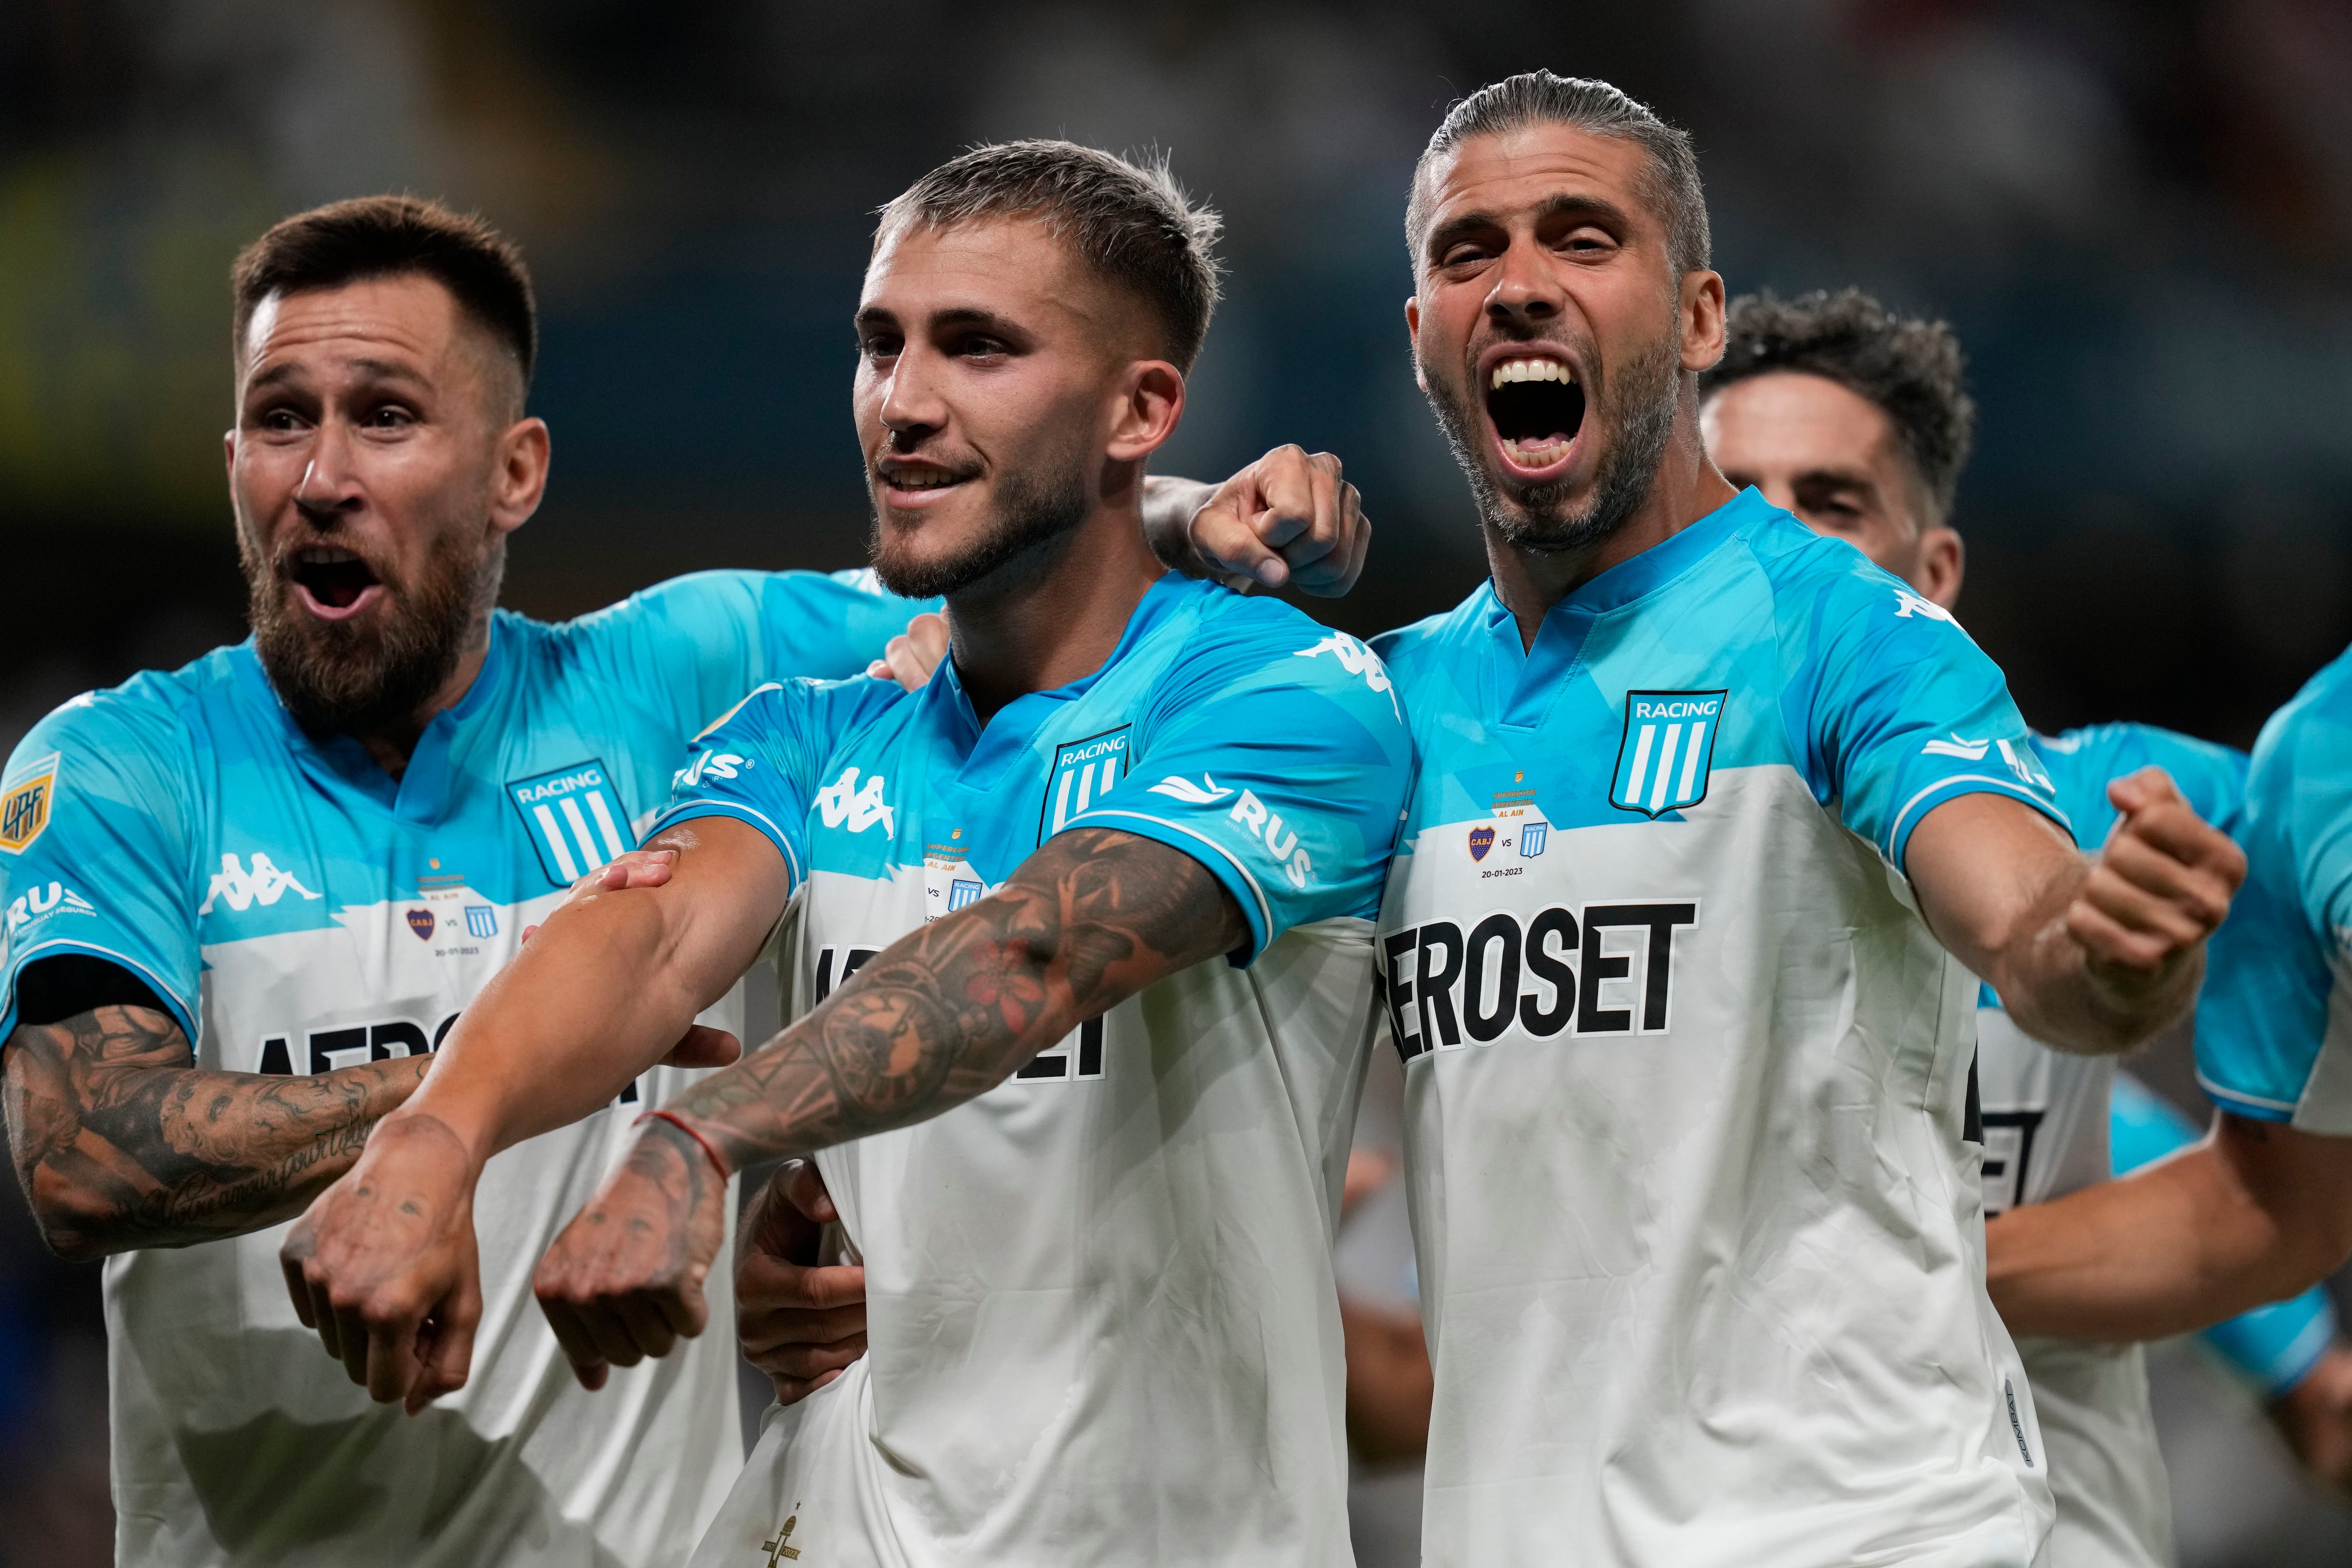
[{"x": 680, "y": 1122}]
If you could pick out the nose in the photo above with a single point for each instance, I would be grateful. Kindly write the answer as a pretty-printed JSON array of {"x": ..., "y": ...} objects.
[
  {"x": 912, "y": 408},
  {"x": 330, "y": 487},
  {"x": 1525, "y": 293}
]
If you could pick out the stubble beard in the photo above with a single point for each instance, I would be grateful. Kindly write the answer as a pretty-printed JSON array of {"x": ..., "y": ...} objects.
[
  {"x": 377, "y": 672},
  {"x": 1637, "y": 410},
  {"x": 1035, "y": 512}
]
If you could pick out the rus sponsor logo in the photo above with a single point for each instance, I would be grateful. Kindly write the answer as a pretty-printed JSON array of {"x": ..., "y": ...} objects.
[{"x": 1560, "y": 970}]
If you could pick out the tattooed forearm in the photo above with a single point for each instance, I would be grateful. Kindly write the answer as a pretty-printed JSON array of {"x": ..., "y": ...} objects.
[
  {"x": 951, "y": 1011},
  {"x": 120, "y": 1142}
]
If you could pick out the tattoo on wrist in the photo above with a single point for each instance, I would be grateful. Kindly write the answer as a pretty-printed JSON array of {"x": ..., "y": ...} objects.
[{"x": 949, "y": 1011}]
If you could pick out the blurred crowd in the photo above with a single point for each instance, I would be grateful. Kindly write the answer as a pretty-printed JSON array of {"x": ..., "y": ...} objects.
[{"x": 2138, "y": 215}]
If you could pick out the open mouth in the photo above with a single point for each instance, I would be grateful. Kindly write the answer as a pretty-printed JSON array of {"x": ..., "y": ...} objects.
[
  {"x": 1537, "y": 408},
  {"x": 915, "y": 483},
  {"x": 335, "y": 582}
]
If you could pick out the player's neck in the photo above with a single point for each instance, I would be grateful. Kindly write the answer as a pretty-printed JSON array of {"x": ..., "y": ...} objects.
[
  {"x": 1686, "y": 489},
  {"x": 1053, "y": 616},
  {"x": 393, "y": 745}
]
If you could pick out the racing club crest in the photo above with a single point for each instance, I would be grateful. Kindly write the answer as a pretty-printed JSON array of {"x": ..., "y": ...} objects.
[
  {"x": 1084, "y": 772},
  {"x": 1667, "y": 748},
  {"x": 25, "y": 801},
  {"x": 1481, "y": 840}
]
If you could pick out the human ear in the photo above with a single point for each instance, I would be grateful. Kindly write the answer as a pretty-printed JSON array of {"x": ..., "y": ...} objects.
[
  {"x": 1150, "y": 403},
  {"x": 1702, "y": 317},
  {"x": 520, "y": 478}
]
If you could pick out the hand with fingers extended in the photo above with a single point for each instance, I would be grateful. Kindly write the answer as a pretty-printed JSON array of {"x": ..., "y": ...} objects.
[
  {"x": 909, "y": 658},
  {"x": 800, "y": 1320},
  {"x": 701, "y": 1045},
  {"x": 2161, "y": 887},
  {"x": 624, "y": 1279},
  {"x": 1289, "y": 519},
  {"x": 383, "y": 1265}
]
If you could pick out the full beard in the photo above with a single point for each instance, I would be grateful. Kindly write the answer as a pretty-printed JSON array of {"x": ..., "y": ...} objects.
[
  {"x": 1637, "y": 421},
  {"x": 376, "y": 672},
  {"x": 1035, "y": 512}
]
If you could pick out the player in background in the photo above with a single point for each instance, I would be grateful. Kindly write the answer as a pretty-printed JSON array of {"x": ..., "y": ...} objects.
[
  {"x": 1713, "y": 819},
  {"x": 245, "y": 900},
  {"x": 2261, "y": 1208},
  {"x": 1855, "y": 421},
  {"x": 1082, "y": 933}
]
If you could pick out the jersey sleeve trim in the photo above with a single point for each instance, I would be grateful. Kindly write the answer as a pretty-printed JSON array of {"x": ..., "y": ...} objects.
[
  {"x": 690, "y": 810},
  {"x": 1225, "y": 868},
  {"x": 2248, "y": 1105},
  {"x": 1907, "y": 819},
  {"x": 180, "y": 1012}
]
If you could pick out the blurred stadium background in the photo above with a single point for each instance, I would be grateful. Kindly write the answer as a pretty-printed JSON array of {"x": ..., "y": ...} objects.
[{"x": 2138, "y": 213}]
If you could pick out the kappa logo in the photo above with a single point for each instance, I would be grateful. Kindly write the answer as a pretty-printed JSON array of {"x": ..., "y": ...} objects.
[
  {"x": 263, "y": 885},
  {"x": 25, "y": 802},
  {"x": 1958, "y": 746},
  {"x": 1357, "y": 660},
  {"x": 843, "y": 803},
  {"x": 574, "y": 817},
  {"x": 1084, "y": 772},
  {"x": 1908, "y": 604},
  {"x": 1208, "y": 791},
  {"x": 1481, "y": 840},
  {"x": 53, "y": 899},
  {"x": 1666, "y": 751}
]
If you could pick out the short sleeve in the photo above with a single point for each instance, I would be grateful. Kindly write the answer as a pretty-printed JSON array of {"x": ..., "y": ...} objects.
[
  {"x": 2274, "y": 1019},
  {"x": 96, "y": 856},
  {"x": 707, "y": 637},
  {"x": 1899, "y": 711},
  {"x": 2083, "y": 762},
  {"x": 758, "y": 761},
  {"x": 1276, "y": 755}
]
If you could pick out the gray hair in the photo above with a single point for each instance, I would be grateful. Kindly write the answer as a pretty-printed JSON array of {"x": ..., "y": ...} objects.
[
  {"x": 1132, "y": 223},
  {"x": 1541, "y": 97}
]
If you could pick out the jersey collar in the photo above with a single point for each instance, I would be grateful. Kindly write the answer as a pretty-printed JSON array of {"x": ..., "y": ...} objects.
[
  {"x": 1535, "y": 676},
  {"x": 422, "y": 791}
]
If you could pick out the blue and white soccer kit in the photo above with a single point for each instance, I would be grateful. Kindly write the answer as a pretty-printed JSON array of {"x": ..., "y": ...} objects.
[
  {"x": 1102, "y": 1321},
  {"x": 2274, "y": 1022},
  {"x": 300, "y": 911},
  {"x": 1699, "y": 1235},
  {"x": 2046, "y": 1115}
]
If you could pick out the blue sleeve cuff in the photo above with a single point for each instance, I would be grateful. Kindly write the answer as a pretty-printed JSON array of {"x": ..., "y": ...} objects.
[
  {"x": 2273, "y": 1348},
  {"x": 180, "y": 1012},
  {"x": 1257, "y": 910},
  {"x": 2253, "y": 1107},
  {"x": 1915, "y": 810},
  {"x": 687, "y": 811}
]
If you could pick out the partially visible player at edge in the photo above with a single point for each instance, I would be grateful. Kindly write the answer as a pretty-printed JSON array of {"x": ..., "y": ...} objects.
[
  {"x": 1087, "y": 1128},
  {"x": 1712, "y": 821},
  {"x": 244, "y": 900},
  {"x": 1855, "y": 421}
]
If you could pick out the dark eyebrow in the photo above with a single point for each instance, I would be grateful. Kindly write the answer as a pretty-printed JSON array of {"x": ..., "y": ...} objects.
[
  {"x": 286, "y": 370},
  {"x": 1853, "y": 479},
  {"x": 1564, "y": 204}
]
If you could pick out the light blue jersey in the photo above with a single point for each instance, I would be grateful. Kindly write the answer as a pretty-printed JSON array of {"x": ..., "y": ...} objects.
[
  {"x": 2274, "y": 1022},
  {"x": 300, "y": 911},
  {"x": 2045, "y": 1135},
  {"x": 1699, "y": 1235},
  {"x": 1100, "y": 1308}
]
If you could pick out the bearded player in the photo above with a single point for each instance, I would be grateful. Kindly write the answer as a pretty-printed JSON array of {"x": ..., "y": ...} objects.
[
  {"x": 1855, "y": 420},
  {"x": 246, "y": 899},
  {"x": 1083, "y": 931},
  {"x": 1713, "y": 822}
]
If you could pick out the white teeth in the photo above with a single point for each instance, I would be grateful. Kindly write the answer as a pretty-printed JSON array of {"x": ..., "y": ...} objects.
[
  {"x": 921, "y": 480},
  {"x": 1512, "y": 370}
]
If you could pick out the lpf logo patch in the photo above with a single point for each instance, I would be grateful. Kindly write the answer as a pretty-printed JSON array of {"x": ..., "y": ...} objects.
[
  {"x": 25, "y": 802},
  {"x": 1668, "y": 746},
  {"x": 574, "y": 819},
  {"x": 1084, "y": 772},
  {"x": 1481, "y": 840}
]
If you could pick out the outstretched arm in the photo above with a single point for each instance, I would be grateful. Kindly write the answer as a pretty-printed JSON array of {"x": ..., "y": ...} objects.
[
  {"x": 2093, "y": 954},
  {"x": 944, "y": 1014},
  {"x": 1289, "y": 519},
  {"x": 120, "y": 1142},
  {"x": 2255, "y": 1213}
]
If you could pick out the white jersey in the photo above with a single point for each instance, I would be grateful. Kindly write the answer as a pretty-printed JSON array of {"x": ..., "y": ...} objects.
[
  {"x": 1700, "y": 1235},
  {"x": 1101, "y": 1315},
  {"x": 297, "y": 911}
]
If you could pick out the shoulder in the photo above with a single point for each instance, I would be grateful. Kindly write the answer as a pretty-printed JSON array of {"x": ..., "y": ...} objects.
[
  {"x": 805, "y": 706},
  {"x": 1242, "y": 640},
  {"x": 2083, "y": 761},
  {"x": 156, "y": 715},
  {"x": 1435, "y": 642}
]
